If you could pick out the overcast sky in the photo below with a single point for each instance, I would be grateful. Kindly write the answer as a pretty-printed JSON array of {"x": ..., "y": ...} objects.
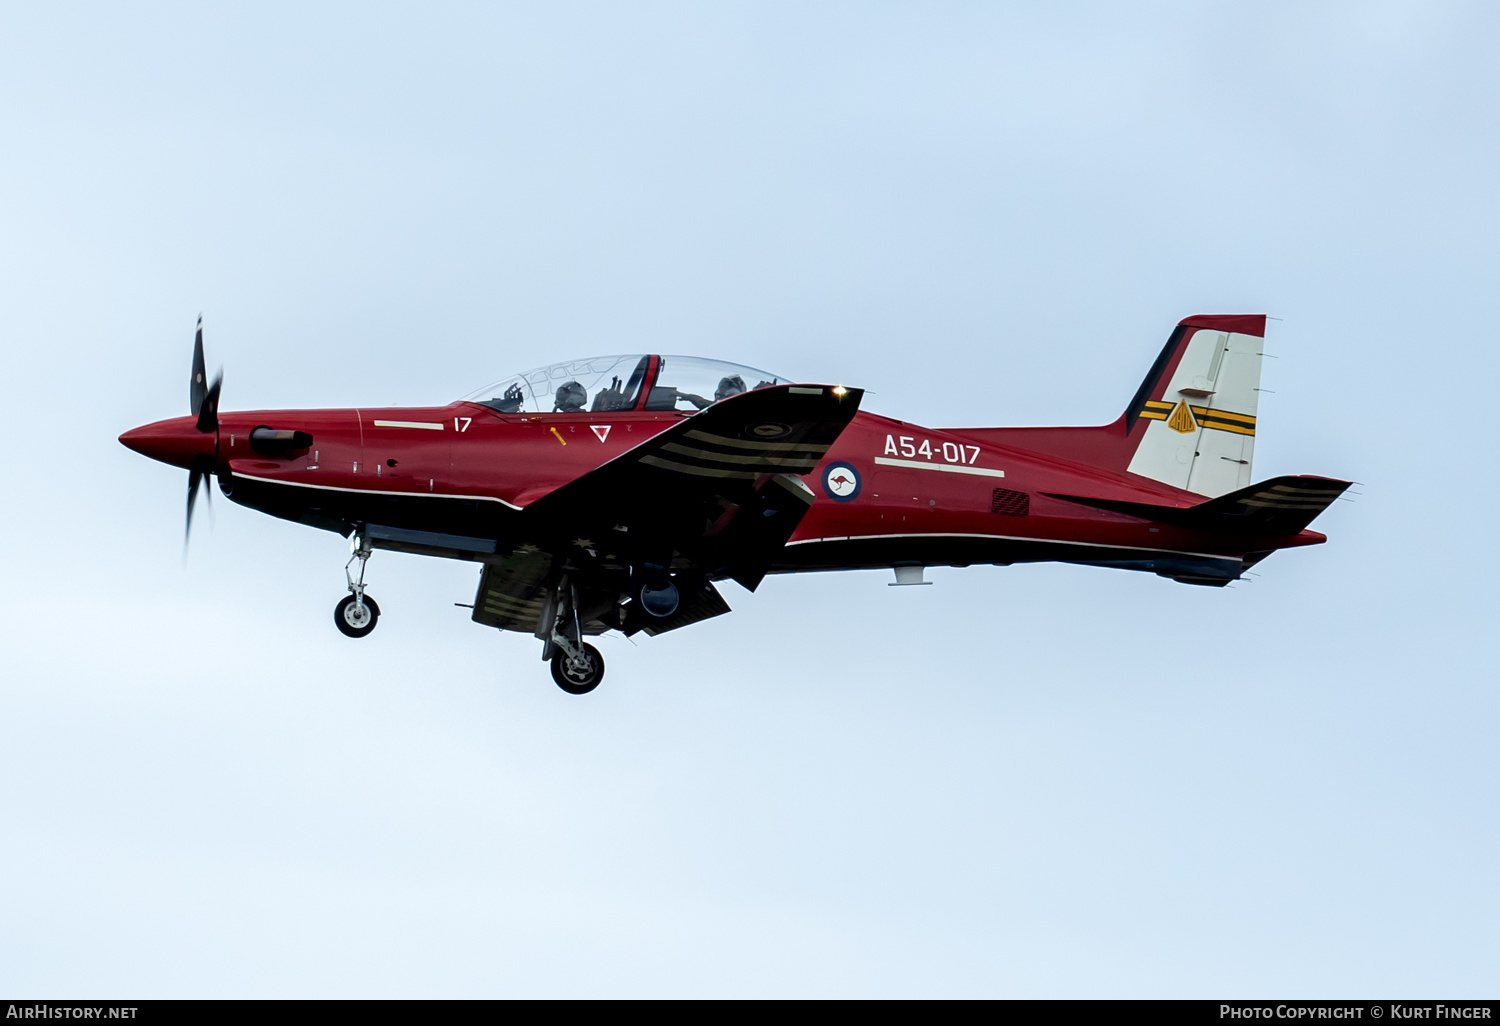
[{"x": 1024, "y": 781}]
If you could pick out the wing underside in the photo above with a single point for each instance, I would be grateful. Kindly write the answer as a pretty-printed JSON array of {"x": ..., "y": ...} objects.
[{"x": 513, "y": 590}]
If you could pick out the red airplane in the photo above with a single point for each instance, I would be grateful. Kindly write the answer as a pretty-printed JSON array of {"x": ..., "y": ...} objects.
[{"x": 613, "y": 493}]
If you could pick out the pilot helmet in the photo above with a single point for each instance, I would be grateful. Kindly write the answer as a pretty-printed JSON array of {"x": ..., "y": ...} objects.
[
  {"x": 732, "y": 385},
  {"x": 570, "y": 397}
]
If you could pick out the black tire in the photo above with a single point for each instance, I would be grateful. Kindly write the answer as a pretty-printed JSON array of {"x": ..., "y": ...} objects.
[
  {"x": 574, "y": 679},
  {"x": 349, "y": 622}
]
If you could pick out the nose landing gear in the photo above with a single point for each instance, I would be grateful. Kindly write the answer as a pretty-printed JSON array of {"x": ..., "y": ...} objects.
[{"x": 356, "y": 614}]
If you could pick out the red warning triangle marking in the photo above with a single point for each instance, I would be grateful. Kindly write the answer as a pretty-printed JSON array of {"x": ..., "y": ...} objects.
[{"x": 602, "y": 430}]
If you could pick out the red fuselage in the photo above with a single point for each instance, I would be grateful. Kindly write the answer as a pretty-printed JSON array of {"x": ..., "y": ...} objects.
[{"x": 898, "y": 493}]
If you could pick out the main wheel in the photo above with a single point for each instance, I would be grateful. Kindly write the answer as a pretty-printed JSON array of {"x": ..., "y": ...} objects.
[
  {"x": 355, "y": 618},
  {"x": 578, "y": 676}
]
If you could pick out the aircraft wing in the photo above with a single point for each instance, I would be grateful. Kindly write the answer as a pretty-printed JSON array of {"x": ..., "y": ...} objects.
[
  {"x": 720, "y": 491},
  {"x": 512, "y": 590}
]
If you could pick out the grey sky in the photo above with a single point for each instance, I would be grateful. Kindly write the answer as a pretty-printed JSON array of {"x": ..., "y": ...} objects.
[{"x": 1022, "y": 781}]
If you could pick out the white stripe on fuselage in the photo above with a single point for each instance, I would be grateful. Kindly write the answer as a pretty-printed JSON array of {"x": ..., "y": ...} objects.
[
  {"x": 886, "y": 461},
  {"x": 372, "y": 491},
  {"x": 425, "y": 425}
]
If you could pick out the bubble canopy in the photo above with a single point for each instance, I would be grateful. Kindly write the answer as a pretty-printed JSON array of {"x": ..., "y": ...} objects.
[{"x": 604, "y": 384}]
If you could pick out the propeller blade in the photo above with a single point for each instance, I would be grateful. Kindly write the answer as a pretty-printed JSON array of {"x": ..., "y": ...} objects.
[
  {"x": 203, "y": 400},
  {"x": 195, "y": 478},
  {"x": 198, "y": 388},
  {"x": 208, "y": 413}
]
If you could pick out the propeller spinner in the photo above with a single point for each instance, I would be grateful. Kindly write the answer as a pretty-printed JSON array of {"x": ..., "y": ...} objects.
[{"x": 190, "y": 442}]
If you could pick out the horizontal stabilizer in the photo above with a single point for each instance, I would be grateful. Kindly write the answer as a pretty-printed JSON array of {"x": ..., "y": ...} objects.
[{"x": 1280, "y": 506}]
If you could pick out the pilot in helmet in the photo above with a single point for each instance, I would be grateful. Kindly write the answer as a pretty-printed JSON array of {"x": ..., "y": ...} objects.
[
  {"x": 732, "y": 385},
  {"x": 570, "y": 397}
]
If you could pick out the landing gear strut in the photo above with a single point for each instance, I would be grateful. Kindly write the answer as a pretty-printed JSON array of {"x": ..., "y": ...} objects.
[
  {"x": 356, "y": 614},
  {"x": 577, "y": 666}
]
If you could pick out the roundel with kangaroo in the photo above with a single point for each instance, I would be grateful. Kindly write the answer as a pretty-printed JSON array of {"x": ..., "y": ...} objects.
[{"x": 841, "y": 482}]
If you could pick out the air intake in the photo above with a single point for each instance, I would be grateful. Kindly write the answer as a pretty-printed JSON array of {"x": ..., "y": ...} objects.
[{"x": 1010, "y": 503}]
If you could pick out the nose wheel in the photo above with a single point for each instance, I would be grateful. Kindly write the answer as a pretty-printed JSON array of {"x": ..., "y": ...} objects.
[
  {"x": 578, "y": 674},
  {"x": 356, "y": 614}
]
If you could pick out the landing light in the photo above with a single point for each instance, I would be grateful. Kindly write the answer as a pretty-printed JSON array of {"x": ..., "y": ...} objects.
[{"x": 840, "y": 390}]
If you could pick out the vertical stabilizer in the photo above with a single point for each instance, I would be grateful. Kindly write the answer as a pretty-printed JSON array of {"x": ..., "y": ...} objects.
[{"x": 1193, "y": 418}]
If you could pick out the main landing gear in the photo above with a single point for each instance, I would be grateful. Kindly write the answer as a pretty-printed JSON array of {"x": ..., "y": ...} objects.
[
  {"x": 356, "y": 614},
  {"x": 577, "y": 666},
  {"x": 578, "y": 674}
]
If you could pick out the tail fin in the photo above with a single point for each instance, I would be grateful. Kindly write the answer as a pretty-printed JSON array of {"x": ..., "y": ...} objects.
[{"x": 1192, "y": 421}]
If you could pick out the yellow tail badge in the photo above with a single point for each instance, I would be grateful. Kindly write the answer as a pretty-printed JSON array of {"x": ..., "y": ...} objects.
[{"x": 1182, "y": 420}]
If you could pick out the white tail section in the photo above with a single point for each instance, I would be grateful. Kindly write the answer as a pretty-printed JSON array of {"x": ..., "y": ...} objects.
[{"x": 1198, "y": 413}]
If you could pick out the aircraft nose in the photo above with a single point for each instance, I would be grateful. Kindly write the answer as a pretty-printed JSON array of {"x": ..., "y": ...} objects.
[{"x": 176, "y": 441}]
